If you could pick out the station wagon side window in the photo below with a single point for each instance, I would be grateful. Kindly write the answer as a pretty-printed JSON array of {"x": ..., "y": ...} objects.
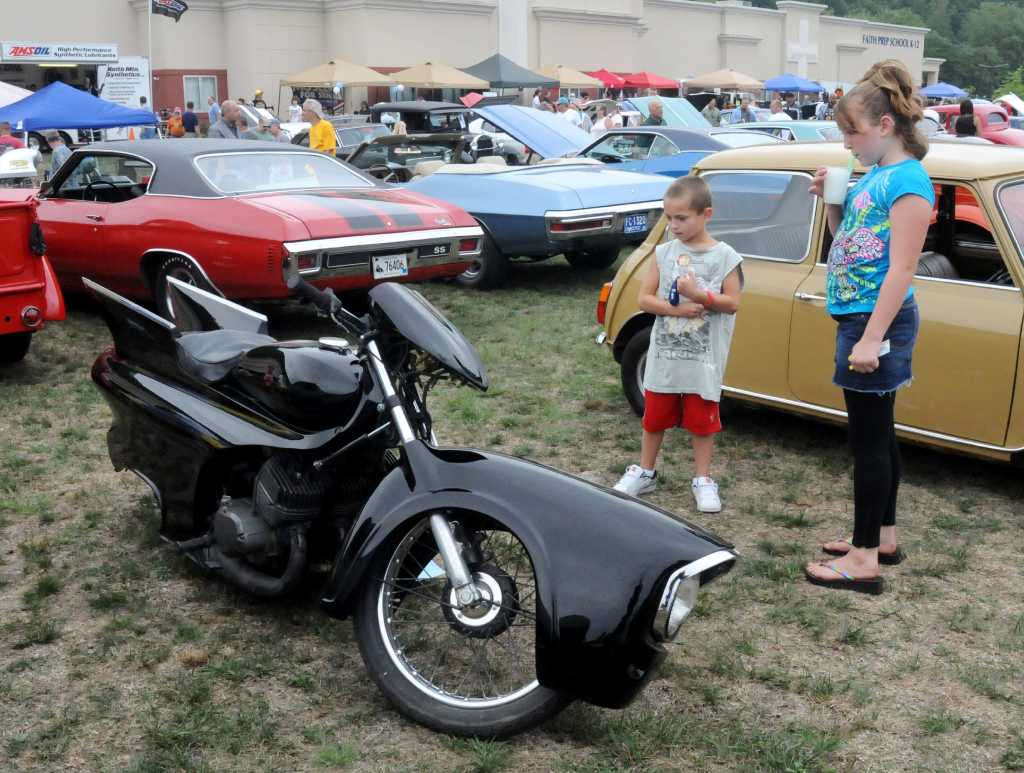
[
  {"x": 995, "y": 119},
  {"x": 104, "y": 177},
  {"x": 767, "y": 215},
  {"x": 959, "y": 246}
]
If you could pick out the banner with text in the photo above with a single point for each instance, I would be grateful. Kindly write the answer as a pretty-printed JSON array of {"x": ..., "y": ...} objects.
[{"x": 123, "y": 83}]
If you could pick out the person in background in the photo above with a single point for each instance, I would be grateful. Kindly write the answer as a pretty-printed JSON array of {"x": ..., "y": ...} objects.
[
  {"x": 791, "y": 107},
  {"x": 778, "y": 114},
  {"x": 547, "y": 106},
  {"x": 294, "y": 111},
  {"x": 585, "y": 123},
  {"x": 364, "y": 108},
  {"x": 227, "y": 126},
  {"x": 711, "y": 112},
  {"x": 190, "y": 121},
  {"x": 601, "y": 121},
  {"x": 966, "y": 126},
  {"x": 566, "y": 113},
  {"x": 967, "y": 108},
  {"x": 744, "y": 113},
  {"x": 656, "y": 116},
  {"x": 148, "y": 132},
  {"x": 535, "y": 102},
  {"x": 8, "y": 139},
  {"x": 61, "y": 152},
  {"x": 400, "y": 128},
  {"x": 321, "y": 132},
  {"x": 277, "y": 133},
  {"x": 175, "y": 124},
  {"x": 213, "y": 112},
  {"x": 261, "y": 131},
  {"x": 257, "y": 100}
]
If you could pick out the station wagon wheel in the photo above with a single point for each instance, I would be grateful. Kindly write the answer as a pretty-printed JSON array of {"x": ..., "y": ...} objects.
[
  {"x": 634, "y": 360},
  {"x": 489, "y": 269},
  {"x": 182, "y": 269}
]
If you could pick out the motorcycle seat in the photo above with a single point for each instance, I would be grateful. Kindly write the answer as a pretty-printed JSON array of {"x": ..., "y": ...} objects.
[{"x": 209, "y": 356}]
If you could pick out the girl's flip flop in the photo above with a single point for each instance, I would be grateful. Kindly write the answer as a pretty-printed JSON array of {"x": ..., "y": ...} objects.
[
  {"x": 872, "y": 585},
  {"x": 889, "y": 559}
]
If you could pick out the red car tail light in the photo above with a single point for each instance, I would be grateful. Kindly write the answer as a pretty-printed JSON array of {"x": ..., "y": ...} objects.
[
  {"x": 581, "y": 225},
  {"x": 308, "y": 261},
  {"x": 469, "y": 246},
  {"x": 602, "y": 301},
  {"x": 31, "y": 316}
]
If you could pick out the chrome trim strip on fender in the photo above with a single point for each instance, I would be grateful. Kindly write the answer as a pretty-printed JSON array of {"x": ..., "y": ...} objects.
[
  {"x": 382, "y": 240},
  {"x": 707, "y": 562},
  {"x": 584, "y": 214},
  {"x": 187, "y": 257},
  {"x": 899, "y": 427}
]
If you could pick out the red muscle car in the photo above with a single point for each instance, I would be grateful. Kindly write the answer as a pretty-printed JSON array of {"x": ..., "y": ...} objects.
[
  {"x": 29, "y": 293},
  {"x": 994, "y": 120},
  {"x": 221, "y": 214}
]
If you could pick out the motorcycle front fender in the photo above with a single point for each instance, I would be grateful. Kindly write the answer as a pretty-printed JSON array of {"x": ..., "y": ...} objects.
[{"x": 601, "y": 558}]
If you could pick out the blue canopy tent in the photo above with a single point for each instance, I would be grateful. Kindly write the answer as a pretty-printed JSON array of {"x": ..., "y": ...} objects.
[
  {"x": 943, "y": 90},
  {"x": 795, "y": 83},
  {"x": 59, "y": 106}
]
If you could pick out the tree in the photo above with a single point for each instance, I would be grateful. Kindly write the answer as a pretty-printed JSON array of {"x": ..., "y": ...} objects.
[{"x": 1014, "y": 83}]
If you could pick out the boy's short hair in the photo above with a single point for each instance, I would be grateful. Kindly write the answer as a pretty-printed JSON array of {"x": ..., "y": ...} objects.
[{"x": 694, "y": 189}]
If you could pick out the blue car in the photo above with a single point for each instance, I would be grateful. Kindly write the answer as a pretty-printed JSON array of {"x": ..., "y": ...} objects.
[
  {"x": 578, "y": 207},
  {"x": 653, "y": 149}
]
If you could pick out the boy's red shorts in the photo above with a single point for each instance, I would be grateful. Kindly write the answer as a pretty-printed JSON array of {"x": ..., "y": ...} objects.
[{"x": 691, "y": 412}]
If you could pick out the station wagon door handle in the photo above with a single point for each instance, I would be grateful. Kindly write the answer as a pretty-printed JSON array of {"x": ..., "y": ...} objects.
[
  {"x": 809, "y": 297},
  {"x": 96, "y": 218}
]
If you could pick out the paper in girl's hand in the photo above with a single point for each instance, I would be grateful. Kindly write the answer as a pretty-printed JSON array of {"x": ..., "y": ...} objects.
[{"x": 884, "y": 348}]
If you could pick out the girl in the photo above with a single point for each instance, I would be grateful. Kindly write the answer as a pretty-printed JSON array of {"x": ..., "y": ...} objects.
[{"x": 878, "y": 236}]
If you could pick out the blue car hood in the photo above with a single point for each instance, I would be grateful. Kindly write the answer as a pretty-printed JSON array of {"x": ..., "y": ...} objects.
[
  {"x": 677, "y": 111},
  {"x": 544, "y": 133}
]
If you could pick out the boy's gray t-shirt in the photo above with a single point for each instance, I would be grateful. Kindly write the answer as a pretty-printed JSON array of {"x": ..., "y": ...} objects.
[{"x": 688, "y": 356}]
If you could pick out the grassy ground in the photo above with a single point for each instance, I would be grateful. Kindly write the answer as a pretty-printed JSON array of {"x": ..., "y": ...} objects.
[{"x": 117, "y": 655}]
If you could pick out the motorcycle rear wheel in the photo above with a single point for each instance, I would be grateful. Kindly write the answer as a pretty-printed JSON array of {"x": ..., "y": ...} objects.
[{"x": 461, "y": 672}]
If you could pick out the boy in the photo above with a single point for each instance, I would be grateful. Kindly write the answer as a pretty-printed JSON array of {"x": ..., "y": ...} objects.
[{"x": 690, "y": 339}]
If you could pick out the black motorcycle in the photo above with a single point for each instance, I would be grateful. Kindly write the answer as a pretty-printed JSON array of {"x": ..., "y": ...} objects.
[{"x": 487, "y": 591}]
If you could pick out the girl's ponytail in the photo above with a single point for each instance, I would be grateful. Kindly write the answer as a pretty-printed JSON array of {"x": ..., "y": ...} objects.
[{"x": 887, "y": 88}]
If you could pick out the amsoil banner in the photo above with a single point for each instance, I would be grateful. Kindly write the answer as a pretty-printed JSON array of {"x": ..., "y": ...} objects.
[
  {"x": 59, "y": 52},
  {"x": 172, "y": 8}
]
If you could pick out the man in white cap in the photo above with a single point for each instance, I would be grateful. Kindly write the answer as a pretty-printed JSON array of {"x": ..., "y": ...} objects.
[{"x": 321, "y": 133}]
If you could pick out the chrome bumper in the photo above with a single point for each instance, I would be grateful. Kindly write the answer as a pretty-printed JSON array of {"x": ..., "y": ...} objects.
[
  {"x": 350, "y": 255},
  {"x": 598, "y": 221}
]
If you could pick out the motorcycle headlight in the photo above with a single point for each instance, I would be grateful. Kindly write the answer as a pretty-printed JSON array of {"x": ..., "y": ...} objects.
[
  {"x": 680, "y": 594},
  {"x": 677, "y": 602}
]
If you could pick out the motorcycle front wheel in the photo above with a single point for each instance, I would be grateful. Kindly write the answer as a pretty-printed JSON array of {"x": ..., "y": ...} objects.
[{"x": 463, "y": 671}]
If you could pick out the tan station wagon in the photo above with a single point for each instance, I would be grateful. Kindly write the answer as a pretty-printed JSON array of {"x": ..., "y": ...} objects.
[{"x": 968, "y": 389}]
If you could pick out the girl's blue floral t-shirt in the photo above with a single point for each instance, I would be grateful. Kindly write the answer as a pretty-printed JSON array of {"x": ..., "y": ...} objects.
[{"x": 859, "y": 258}]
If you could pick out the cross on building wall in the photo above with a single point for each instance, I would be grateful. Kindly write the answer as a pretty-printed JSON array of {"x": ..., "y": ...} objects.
[{"x": 803, "y": 52}]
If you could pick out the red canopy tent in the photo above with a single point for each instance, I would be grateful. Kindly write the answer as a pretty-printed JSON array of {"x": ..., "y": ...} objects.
[
  {"x": 648, "y": 80},
  {"x": 471, "y": 98},
  {"x": 609, "y": 79}
]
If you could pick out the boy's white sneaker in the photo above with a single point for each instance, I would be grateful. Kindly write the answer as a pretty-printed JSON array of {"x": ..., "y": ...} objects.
[
  {"x": 636, "y": 482},
  {"x": 705, "y": 492}
]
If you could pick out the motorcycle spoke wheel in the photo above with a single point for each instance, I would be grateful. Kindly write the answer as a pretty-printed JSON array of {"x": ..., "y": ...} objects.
[{"x": 471, "y": 657}]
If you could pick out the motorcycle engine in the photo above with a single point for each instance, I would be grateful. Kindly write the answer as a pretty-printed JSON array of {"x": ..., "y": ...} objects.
[{"x": 285, "y": 492}]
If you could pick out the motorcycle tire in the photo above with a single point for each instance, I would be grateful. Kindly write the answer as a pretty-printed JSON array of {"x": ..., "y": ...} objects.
[{"x": 386, "y": 656}]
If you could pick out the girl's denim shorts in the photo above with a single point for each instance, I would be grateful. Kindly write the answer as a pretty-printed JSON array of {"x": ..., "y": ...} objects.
[{"x": 894, "y": 368}]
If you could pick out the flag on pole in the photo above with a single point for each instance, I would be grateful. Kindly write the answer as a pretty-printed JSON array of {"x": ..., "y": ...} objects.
[{"x": 172, "y": 8}]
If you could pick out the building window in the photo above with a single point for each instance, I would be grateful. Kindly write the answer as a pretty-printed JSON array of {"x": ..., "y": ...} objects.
[{"x": 199, "y": 87}]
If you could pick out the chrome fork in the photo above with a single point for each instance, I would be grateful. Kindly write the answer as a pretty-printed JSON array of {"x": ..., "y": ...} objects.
[{"x": 454, "y": 566}]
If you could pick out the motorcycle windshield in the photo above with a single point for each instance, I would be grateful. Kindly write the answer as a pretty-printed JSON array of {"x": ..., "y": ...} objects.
[{"x": 426, "y": 328}]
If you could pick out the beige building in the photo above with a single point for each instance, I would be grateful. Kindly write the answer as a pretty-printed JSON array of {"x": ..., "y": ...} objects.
[{"x": 232, "y": 47}]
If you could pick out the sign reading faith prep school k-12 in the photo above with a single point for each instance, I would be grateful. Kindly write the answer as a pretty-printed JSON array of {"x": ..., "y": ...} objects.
[{"x": 58, "y": 52}]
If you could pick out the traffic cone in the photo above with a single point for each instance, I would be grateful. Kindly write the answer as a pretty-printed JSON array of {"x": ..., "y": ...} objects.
[{"x": 131, "y": 134}]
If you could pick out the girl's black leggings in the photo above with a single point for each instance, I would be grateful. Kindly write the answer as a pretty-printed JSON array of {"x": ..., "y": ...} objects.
[{"x": 876, "y": 464}]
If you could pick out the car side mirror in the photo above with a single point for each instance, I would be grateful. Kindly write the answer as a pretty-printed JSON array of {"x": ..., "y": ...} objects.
[{"x": 44, "y": 187}]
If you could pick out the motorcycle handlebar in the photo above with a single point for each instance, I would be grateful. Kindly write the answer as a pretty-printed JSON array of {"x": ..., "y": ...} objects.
[{"x": 324, "y": 300}]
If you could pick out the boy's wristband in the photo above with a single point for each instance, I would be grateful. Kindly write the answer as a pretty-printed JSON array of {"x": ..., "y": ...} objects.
[{"x": 709, "y": 302}]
